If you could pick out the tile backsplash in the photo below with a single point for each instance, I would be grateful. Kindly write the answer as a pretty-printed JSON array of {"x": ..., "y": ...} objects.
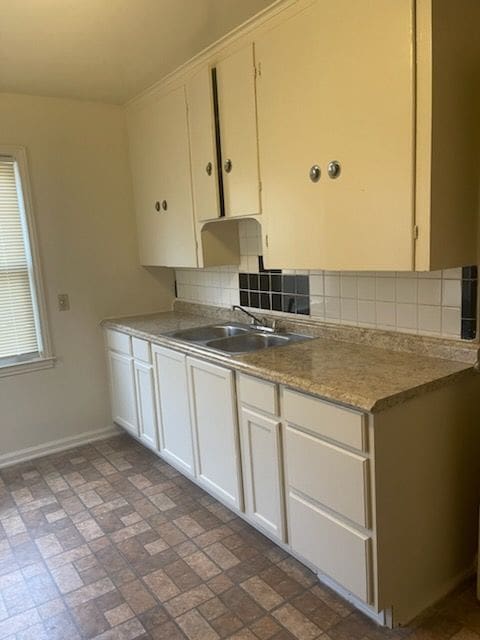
[{"x": 440, "y": 303}]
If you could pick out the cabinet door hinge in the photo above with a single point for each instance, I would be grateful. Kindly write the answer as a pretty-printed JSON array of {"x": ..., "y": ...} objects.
[
  {"x": 415, "y": 232},
  {"x": 257, "y": 70},
  {"x": 266, "y": 240}
]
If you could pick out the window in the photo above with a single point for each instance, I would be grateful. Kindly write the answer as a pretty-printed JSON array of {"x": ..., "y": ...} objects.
[{"x": 23, "y": 336}]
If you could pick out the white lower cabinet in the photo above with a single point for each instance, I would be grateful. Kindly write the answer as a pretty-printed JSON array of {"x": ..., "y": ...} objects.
[
  {"x": 261, "y": 447},
  {"x": 122, "y": 391},
  {"x": 147, "y": 418},
  {"x": 262, "y": 471},
  {"x": 174, "y": 414},
  {"x": 214, "y": 420}
]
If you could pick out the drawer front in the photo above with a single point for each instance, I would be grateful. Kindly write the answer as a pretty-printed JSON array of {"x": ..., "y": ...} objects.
[
  {"x": 325, "y": 419},
  {"x": 332, "y": 546},
  {"x": 141, "y": 350},
  {"x": 258, "y": 393},
  {"x": 332, "y": 476},
  {"x": 119, "y": 342}
]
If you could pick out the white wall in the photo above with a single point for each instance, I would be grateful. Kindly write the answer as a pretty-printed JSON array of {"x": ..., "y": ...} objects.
[{"x": 81, "y": 189}]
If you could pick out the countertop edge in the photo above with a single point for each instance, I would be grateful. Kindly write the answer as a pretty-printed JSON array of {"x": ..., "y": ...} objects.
[{"x": 366, "y": 404}]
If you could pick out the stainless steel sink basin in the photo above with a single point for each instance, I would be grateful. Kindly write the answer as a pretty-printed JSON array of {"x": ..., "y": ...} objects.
[
  {"x": 235, "y": 338},
  {"x": 204, "y": 334},
  {"x": 248, "y": 342}
]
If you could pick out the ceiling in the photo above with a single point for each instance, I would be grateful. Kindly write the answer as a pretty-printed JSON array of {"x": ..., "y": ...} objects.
[{"x": 106, "y": 50}]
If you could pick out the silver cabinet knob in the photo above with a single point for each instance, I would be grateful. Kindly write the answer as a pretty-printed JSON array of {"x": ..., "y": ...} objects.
[
  {"x": 164, "y": 205},
  {"x": 334, "y": 169},
  {"x": 157, "y": 206},
  {"x": 315, "y": 173},
  {"x": 209, "y": 168},
  {"x": 228, "y": 165}
]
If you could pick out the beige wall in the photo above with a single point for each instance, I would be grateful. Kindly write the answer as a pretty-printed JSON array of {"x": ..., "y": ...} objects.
[{"x": 80, "y": 181}]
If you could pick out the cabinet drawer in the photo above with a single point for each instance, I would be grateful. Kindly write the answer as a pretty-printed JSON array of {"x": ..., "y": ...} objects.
[
  {"x": 333, "y": 547},
  {"x": 119, "y": 342},
  {"x": 141, "y": 350},
  {"x": 325, "y": 419},
  {"x": 258, "y": 393},
  {"x": 329, "y": 475}
]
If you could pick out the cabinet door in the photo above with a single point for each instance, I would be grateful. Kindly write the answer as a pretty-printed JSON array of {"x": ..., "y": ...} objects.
[
  {"x": 212, "y": 398},
  {"x": 122, "y": 389},
  {"x": 203, "y": 147},
  {"x": 336, "y": 84},
  {"x": 174, "y": 414},
  {"x": 262, "y": 471},
  {"x": 238, "y": 132},
  {"x": 147, "y": 418},
  {"x": 160, "y": 162}
]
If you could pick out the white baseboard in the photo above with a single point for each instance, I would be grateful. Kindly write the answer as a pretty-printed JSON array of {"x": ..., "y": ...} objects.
[{"x": 54, "y": 446}]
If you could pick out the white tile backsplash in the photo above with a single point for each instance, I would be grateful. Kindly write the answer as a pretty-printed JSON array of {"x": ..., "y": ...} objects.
[{"x": 425, "y": 303}]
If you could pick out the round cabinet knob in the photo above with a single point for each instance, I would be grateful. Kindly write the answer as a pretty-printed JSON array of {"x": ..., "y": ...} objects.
[
  {"x": 334, "y": 169},
  {"x": 157, "y": 205},
  {"x": 315, "y": 173},
  {"x": 164, "y": 205},
  {"x": 209, "y": 169},
  {"x": 228, "y": 165}
]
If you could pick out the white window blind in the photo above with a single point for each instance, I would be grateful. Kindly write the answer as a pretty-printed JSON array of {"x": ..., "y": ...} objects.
[{"x": 19, "y": 331}]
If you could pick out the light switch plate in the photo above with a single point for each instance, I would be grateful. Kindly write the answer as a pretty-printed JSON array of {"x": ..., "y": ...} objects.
[{"x": 63, "y": 302}]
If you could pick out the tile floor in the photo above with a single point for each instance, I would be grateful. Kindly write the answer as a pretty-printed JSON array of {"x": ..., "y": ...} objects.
[{"x": 109, "y": 542}]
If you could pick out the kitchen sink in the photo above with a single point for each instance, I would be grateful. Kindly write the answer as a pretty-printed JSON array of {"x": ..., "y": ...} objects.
[
  {"x": 248, "y": 342},
  {"x": 235, "y": 338},
  {"x": 204, "y": 334}
]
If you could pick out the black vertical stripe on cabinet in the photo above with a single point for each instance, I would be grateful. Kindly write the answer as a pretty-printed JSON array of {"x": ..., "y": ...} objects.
[
  {"x": 469, "y": 302},
  {"x": 218, "y": 142}
]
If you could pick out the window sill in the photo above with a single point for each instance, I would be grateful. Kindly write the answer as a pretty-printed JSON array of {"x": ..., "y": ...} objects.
[{"x": 16, "y": 368}]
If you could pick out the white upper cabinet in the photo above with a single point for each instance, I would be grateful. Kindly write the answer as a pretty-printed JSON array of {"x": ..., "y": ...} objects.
[
  {"x": 364, "y": 110},
  {"x": 336, "y": 85},
  {"x": 203, "y": 145},
  {"x": 160, "y": 163},
  {"x": 235, "y": 76}
]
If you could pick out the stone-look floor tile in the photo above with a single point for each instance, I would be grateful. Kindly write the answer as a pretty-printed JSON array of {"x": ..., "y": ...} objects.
[
  {"x": 295, "y": 622},
  {"x": 111, "y": 541},
  {"x": 161, "y": 585},
  {"x": 196, "y": 627},
  {"x": 193, "y": 598},
  {"x": 119, "y": 614},
  {"x": 262, "y": 593},
  {"x": 137, "y": 596}
]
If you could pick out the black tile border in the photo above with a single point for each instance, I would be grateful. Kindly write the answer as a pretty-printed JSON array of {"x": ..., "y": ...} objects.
[
  {"x": 469, "y": 303},
  {"x": 273, "y": 291}
]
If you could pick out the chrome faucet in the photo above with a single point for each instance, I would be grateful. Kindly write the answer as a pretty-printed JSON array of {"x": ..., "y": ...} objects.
[{"x": 261, "y": 322}]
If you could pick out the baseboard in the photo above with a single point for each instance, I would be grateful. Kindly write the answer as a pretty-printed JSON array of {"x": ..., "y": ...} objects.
[{"x": 54, "y": 446}]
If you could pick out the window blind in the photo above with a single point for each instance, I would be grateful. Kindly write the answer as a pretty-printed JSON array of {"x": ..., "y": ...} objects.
[{"x": 18, "y": 330}]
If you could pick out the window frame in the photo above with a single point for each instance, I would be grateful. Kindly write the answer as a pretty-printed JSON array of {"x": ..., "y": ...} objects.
[{"x": 44, "y": 358}]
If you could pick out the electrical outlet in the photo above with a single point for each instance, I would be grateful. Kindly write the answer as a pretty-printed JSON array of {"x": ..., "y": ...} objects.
[{"x": 63, "y": 302}]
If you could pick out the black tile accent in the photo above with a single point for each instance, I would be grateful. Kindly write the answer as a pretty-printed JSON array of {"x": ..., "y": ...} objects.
[
  {"x": 288, "y": 304},
  {"x": 276, "y": 302},
  {"x": 244, "y": 298},
  {"x": 253, "y": 281},
  {"x": 469, "y": 329},
  {"x": 469, "y": 302},
  {"x": 254, "y": 299},
  {"x": 470, "y": 273},
  {"x": 243, "y": 280},
  {"x": 264, "y": 282},
  {"x": 276, "y": 282},
  {"x": 289, "y": 284},
  {"x": 265, "y": 302},
  {"x": 261, "y": 266},
  {"x": 302, "y": 305},
  {"x": 302, "y": 285}
]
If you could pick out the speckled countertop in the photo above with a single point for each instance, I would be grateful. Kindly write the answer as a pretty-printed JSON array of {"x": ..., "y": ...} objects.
[{"x": 363, "y": 376}]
